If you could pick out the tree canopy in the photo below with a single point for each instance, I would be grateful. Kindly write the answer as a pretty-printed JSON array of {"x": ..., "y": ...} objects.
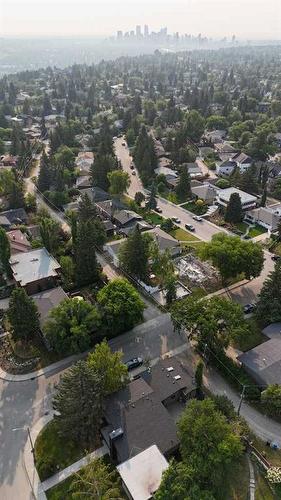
[
  {"x": 71, "y": 326},
  {"x": 109, "y": 367},
  {"x": 23, "y": 315},
  {"x": 269, "y": 303},
  {"x": 233, "y": 256}
]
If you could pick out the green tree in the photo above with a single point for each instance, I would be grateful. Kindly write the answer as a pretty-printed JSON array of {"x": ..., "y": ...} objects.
[
  {"x": 108, "y": 365},
  {"x": 208, "y": 442},
  {"x": 45, "y": 174},
  {"x": 152, "y": 202},
  {"x": 71, "y": 326},
  {"x": 120, "y": 305},
  {"x": 269, "y": 303},
  {"x": 16, "y": 199},
  {"x": 97, "y": 481},
  {"x": 179, "y": 482},
  {"x": 139, "y": 198},
  {"x": 103, "y": 164},
  {"x": 233, "y": 256},
  {"x": 134, "y": 254},
  {"x": 87, "y": 269},
  {"x": 216, "y": 122},
  {"x": 78, "y": 404},
  {"x": 119, "y": 182},
  {"x": 65, "y": 157},
  {"x": 87, "y": 213},
  {"x": 199, "y": 375},
  {"x": 23, "y": 315},
  {"x": 271, "y": 400},
  {"x": 68, "y": 271},
  {"x": 234, "y": 212},
  {"x": 5, "y": 252},
  {"x": 49, "y": 232},
  {"x": 214, "y": 322},
  {"x": 170, "y": 287},
  {"x": 194, "y": 125},
  {"x": 183, "y": 188}
]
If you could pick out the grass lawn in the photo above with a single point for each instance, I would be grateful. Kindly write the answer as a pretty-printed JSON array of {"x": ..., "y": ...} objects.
[
  {"x": 182, "y": 235},
  {"x": 273, "y": 456},
  {"x": 193, "y": 246},
  {"x": 195, "y": 209},
  {"x": 53, "y": 452},
  {"x": 62, "y": 490},
  {"x": 263, "y": 491},
  {"x": 235, "y": 484},
  {"x": 253, "y": 338},
  {"x": 277, "y": 249},
  {"x": 256, "y": 231},
  {"x": 241, "y": 226},
  {"x": 153, "y": 218}
]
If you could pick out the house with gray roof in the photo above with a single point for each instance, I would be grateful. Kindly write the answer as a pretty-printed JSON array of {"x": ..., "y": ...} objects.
[
  {"x": 47, "y": 300},
  {"x": 205, "y": 192},
  {"x": 248, "y": 201},
  {"x": 13, "y": 217},
  {"x": 35, "y": 270},
  {"x": 263, "y": 362},
  {"x": 268, "y": 217}
]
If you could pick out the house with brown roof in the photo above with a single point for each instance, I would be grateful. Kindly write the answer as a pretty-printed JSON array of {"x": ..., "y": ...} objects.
[{"x": 18, "y": 241}]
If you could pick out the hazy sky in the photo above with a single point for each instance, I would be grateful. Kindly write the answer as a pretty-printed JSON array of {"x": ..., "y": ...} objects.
[{"x": 246, "y": 18}]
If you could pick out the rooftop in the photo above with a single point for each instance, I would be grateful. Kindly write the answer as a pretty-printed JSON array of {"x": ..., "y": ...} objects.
[
  {"x": 225, "y": 194},
  {"x": 142, "y": 474},
  {"x": 47, "y": 300},
  {"x": 33, "y": 266},
  {"x": 265, "y": 361}
]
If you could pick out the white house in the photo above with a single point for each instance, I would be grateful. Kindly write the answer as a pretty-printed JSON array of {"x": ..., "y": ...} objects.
[
  {"x": 248, "y": 201},
  {"x": 268, "y": 217}
]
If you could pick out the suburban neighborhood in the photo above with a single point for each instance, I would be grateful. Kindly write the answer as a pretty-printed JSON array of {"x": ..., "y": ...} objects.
[{"x": 140, "y": 278}]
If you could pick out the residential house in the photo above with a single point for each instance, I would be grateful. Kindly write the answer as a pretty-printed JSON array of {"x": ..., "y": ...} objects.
[
  {"x": 95, "y": 194},
  {"x": 263, "y": 362},
  {"x": 18, "y": 241},
  {"x": 194, "y": 170},
  {"x": 242, "y": 161},
  {"x": 106, "y": 209},
  {"x": 138, "y": 417},
  {"x": 35, "y": 270},
  {"x": 83, "y": 181},
  {"x": 205, "y": 192},
  {"x": 48, "y": 300},
  {"x": 13, "y": 217},
  {"x": 225, "y": 167},
  {"x": 248, "y": 201},
  {"x": 268, "y": 217},
  {"x": 215, "y": 136},
  {"x": 229, "y": 163},
  {"x": 141, "y": 475},
  {"x": 84, "y": 161}
]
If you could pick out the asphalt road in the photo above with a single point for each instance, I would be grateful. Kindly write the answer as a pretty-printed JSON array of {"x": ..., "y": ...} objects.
[
  {"x": 23, "y": 403},
  {"x": 203, "y": 230}
]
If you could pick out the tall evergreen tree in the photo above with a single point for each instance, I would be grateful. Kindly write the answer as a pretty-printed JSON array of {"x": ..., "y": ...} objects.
[
  {"x": 134, "y": 254},
  {"x": 87, "y": 270},
  {"x": 152, "y": 202},
  {"x": 183, "y": 188},
  {"x": 49, "y": 232},
  {"x": 269, "y": 303},
  {"x": 100, "y": 169},
  {"x": 16, "y": 199},
  {"x": 23, "y": 315},
  {"x": 78, "y": 404},
  {"x": 45, "y": 175},
  {"x": 47, "y": 107},
  {"x": 5, "y": 251},
  {"x": 86, "y": 209},
  {"x": 234, "y": 211}
]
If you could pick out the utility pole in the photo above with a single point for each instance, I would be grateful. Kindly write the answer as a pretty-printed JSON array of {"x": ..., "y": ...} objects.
[
  {"x": 241, "y": 400},
  {"x": 31, "y": 443}
]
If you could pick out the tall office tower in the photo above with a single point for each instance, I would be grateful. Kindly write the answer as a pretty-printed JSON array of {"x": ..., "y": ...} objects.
[
  {"x": 146, "y": 31},
  {"x": 138, "y": 31},
  {"x": 119, "y": 35}
]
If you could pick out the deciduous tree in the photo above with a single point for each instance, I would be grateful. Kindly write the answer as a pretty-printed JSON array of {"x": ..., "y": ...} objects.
[{"x": 109, "y": 367}]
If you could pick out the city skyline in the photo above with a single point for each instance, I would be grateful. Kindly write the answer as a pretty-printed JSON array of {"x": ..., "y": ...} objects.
[{"x": 212, "y": 18}]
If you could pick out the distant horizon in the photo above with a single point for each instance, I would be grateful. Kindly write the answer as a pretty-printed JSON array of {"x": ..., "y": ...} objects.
[{"x": 216, "y": 19}]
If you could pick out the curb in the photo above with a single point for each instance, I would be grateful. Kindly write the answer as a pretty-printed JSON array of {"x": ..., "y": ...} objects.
[
  {"x": 64, "y": 363},
  {"x": 28, "y": 459}
]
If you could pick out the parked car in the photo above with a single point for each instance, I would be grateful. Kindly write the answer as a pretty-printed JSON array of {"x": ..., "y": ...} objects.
[
  {"x": 158, "y": 210},
  {"x": 134, "y": 172},
  {"x": 190, "y": 227},
  {"x": 197, "y": 217},
  {"x": 134, "y": 363},
  {"x": 275, "y": 257},
  {"x": 249, "y": 308},
  {"x": 176, "y": 220},
  {"x": 132, "y": 167},
  {"x": 123, "y": 143}
]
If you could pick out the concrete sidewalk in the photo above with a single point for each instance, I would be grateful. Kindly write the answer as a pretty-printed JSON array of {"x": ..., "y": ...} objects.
[{"x": 73, "y": 468}]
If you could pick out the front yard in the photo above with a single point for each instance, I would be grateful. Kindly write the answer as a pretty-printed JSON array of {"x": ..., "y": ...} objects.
[
  {"x": 195, "y": 208},
  {"x": 54, "y": 452},
  {"x": 182, "y": 235}
]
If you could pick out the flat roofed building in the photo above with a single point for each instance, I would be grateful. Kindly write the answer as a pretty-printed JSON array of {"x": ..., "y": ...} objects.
[
  {"x": 141, "y": 475},
  {"x": 35, "y": 270},
  {"x": 248, "y": 201},
  {"x": 263, "y": 362}
]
